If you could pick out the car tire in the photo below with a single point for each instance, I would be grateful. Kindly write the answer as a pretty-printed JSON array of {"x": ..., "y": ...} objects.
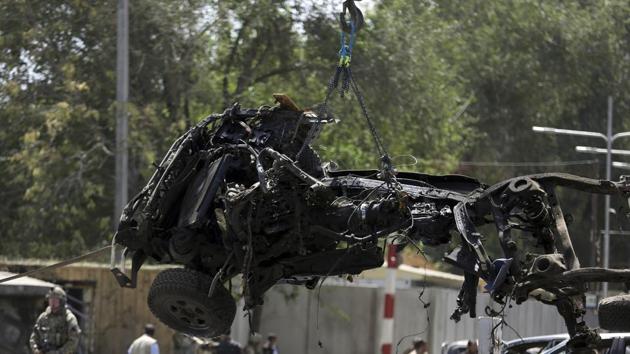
[
  {"x": 179, "y": 299},
  {"x": 614, "y": 313}
]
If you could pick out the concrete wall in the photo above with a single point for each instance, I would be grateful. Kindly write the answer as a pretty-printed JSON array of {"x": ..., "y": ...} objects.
[
  {"x": 343, "y": 314},
  {"x": 349, "y": 318}
]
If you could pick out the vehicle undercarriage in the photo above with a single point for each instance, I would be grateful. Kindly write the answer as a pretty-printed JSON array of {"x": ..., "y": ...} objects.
[{"x": 244, "y": 192}]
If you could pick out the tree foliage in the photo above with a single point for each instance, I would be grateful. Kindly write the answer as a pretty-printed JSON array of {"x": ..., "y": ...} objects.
[{"x": 444, "y": 82}]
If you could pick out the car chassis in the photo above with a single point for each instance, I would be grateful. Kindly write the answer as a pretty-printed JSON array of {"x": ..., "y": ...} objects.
[{"x": 243, "y": 192}]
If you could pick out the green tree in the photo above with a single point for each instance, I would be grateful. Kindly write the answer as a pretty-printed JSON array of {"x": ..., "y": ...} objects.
[
  {"x": 443, "y": 81},
  {"x": 541, "y": 63},
  {"x": 57, "y": 93}
]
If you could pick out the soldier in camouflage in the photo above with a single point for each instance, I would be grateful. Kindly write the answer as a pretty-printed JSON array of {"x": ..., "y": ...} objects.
[{"x": 56, "y": 330}]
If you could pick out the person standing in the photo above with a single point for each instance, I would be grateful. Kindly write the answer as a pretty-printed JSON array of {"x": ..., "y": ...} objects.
[
  {"x": 227, "y": 345},
  {"x": 56, "y": 330},
  {"x": 472, "y": 347},
  {"x": 145, "y": 344},
  {"x": 271, "y": 347},
  {"x": 419, "y": 346}
]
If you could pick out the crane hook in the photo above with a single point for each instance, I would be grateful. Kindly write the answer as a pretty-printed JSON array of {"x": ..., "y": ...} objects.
[{"x": 356, "y": 17}]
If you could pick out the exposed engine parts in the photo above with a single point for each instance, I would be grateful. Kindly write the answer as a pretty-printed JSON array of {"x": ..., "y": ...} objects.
[{"x": 244, "y": 192}]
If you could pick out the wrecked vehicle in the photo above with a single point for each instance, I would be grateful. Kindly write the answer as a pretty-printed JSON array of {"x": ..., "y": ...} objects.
[{"x": 243, "y": 192}]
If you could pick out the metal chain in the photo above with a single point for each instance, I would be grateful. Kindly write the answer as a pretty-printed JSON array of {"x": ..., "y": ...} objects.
[
  {"x": 348, "y": 83},
  {"x": 380, "y": 147},
  {"x": 323, "y": 108}
]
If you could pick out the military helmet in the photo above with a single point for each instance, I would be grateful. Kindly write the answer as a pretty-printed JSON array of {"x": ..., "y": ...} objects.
[{"x": 57, "y": 292}]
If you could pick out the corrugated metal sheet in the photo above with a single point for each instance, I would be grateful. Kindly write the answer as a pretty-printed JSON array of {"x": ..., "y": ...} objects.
[{"x": 23, "y": 286}]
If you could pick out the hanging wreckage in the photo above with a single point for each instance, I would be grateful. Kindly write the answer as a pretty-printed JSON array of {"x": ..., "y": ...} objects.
[{"x": 243, "y": 192}]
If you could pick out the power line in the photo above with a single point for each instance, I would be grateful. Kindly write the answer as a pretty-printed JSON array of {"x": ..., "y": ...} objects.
[{"x": 522, "y": 164}]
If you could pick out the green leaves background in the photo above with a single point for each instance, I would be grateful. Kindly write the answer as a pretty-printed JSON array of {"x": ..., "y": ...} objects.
[{"x": 445, "y": 82}]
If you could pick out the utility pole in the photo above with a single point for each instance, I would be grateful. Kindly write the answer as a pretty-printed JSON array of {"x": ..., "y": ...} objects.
[
  {"x": 609, "y": 138},
  {"x": 594, "y": 235},
  {"x": 387, "y": 324},
  {"x": 122, "y": 97}
]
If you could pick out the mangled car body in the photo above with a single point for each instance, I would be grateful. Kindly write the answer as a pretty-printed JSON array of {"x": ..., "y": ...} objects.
[{"x": 243, "y": 192}]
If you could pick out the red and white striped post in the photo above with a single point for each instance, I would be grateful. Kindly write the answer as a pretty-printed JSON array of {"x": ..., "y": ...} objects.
[{"x": 387, "y": 328}]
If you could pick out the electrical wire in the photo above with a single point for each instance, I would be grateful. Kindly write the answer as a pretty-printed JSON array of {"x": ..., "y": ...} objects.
[
  {"x": 425, "y": 304},
  {"x": 519, "y": 163}
]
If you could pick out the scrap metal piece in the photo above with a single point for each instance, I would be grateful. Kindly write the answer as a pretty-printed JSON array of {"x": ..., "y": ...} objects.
[
  {"x": 286, "y": 102},
  {"x": 247, "y": 194}
]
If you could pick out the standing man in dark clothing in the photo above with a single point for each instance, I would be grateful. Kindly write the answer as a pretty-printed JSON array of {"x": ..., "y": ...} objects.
[
  {"x": 270, "y": 346},
  {"x": 419, "y": 346},
  {"x": 227, "y": 345}
]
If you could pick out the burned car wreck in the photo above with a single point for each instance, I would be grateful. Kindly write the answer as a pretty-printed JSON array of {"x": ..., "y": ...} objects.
[{"x": 243, "y": 192}]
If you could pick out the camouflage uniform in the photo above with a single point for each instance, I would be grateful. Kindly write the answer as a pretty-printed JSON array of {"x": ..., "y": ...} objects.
[{"x": 56, "y": 332}]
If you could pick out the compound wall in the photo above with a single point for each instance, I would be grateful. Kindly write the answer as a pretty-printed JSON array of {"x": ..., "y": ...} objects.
[{"x": 349, "y": 319}]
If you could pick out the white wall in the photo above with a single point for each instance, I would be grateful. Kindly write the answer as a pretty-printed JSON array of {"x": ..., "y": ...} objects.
[{"x": 349, "y": 319}]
